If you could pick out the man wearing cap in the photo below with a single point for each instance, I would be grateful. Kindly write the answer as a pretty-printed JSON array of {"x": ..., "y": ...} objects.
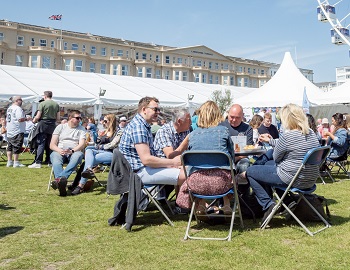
[
  {"x": 122, "y": 122},
  {"x": 324, "y": 127},
  {"x": 15, "y": 131},
  {"x": 47, "y": 115}
]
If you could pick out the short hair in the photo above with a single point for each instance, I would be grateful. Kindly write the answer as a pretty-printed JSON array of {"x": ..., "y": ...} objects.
[
  {"x": 48, "y": 94},
  {"x": 179, "y": 114},
  {"x": 293, "y": 117},
  {"x": 256, "y": 121},
  {"x": 72, "y": 112},
  {"x": 209, "y": 115},
  {"x": 268, "y": 115},
  {"x": 145, "y": 101}
]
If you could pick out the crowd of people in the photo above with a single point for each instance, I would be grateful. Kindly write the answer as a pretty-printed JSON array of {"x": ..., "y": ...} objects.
[{"x": 153, "y": 149}]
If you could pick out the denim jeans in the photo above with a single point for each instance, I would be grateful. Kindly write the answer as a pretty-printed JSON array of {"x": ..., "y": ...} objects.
[
  {"x": 94, "y": 157},
  {"x": 58, "y": 160},
  {"x": 260, "y": 178}
]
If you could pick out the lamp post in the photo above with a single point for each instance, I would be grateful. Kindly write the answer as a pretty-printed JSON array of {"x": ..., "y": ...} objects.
[{"x": 98, "y": 104}]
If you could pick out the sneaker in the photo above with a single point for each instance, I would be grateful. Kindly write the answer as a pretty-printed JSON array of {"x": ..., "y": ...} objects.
[
  {"x": 18, "y": 165},
  {"x": 62, "y": 184},
  {"x": 181, "y": 211},
  {"x": 241, "y": 180},
  {"x": 35, "y": 166},
  {"x": 88, "y": 173},
  {"x": 268, "y": 212},
  {"x": 54, "y": 183},
  {"x": 9, "y": 164},
  {"x": 78, "y": 190}
]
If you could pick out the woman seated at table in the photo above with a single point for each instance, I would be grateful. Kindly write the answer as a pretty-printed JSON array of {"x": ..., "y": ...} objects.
[
  {"x": 208, "y": 136},
  {"x": 101, "y": 153},
  {"x": 255, "y": 123},
  {"x": 289, "y": 151},
  {"x": 338, "y": 139}
]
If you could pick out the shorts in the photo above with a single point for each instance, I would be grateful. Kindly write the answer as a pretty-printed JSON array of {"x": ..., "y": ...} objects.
[
  {"x": 161, "y": 176},
  {"x": 15, "y": 143}
]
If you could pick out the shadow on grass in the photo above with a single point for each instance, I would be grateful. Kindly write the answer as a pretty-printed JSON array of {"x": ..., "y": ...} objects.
[
  {"x": 9, "y": 230},
  {"x": 6, "y": 207}
]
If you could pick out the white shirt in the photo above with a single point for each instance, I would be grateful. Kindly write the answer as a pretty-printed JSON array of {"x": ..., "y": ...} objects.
[{"x": 13, "y": 114}]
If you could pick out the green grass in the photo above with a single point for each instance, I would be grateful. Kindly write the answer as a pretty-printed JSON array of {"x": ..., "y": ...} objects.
[{"x": 40, "y": 230}]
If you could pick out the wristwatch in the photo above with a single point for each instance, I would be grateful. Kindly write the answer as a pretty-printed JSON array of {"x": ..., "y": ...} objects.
[{"x": 72, "y": 151}]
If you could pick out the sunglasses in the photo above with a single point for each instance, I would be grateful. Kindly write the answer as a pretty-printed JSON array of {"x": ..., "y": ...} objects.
[
  {"x": 77, "y": 117},
  {"x": 155, "y": 109},
  {"x": 105, "y": 121}
]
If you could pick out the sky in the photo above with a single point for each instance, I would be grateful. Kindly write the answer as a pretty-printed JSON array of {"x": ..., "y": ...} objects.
[{"x": 253, "y": 29}]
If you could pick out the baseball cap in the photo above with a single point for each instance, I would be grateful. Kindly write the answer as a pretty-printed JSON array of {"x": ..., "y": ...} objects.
[
  {"x": 325, "y": 121},
  {"x": 123, "y": 118}
]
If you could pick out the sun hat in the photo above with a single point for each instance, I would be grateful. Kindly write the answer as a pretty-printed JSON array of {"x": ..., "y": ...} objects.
[{"x": 325, "y": 121}]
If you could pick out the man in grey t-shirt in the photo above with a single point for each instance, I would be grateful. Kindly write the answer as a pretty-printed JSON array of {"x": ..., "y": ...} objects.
[{"x": 67, "y": 143}]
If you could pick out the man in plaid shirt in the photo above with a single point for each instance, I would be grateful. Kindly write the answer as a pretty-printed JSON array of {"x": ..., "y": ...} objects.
[{"x": 171, "y": 139}]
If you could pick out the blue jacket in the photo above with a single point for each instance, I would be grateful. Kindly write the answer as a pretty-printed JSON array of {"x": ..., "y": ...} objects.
[{"x": 340, "y": 144}]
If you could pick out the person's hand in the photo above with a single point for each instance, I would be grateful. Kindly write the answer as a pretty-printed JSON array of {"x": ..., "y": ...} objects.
[
  {"x": 177, "y": 161},
  {"x": 264, "y": 137}
]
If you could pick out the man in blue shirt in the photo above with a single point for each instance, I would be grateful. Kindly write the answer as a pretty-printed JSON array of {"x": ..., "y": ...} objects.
[{"x": 136, "y": 145}]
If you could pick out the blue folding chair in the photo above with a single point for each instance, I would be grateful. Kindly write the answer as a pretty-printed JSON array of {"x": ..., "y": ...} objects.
[
  {"x": 204, "y": 160},
  {"x": 315, "y": 156}
]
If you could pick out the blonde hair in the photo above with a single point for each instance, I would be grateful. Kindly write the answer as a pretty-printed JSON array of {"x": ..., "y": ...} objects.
[
  {"x": 293, "y": 117},
  {"x": 112, "y": 125},
  {"x": 209, "y": 115}
]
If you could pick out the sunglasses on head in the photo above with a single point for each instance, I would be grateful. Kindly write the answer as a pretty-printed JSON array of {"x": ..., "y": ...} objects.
[{"x": 155, "y": 109}]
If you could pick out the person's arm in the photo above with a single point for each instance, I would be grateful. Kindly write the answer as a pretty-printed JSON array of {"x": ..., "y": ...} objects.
[
  {"x": 80, "y": 146},
  {"x": 114, "y": 143},
  {"x": 58, "y": 117},
  {"x": 281, "y": 148},
  {"x": 171, "y": 153},
  {"x": 155, "y": 162},
  {"x": 54, "y": 145},
  {"x": 37, "y": 117}
]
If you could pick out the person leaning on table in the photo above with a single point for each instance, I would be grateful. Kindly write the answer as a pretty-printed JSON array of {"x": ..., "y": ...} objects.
[{"x": 289, "y": 151}]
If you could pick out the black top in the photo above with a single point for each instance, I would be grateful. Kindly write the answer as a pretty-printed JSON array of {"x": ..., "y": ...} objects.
[
  {"x": 242, "y": 128},
  {"x": 272, "y": 130}
]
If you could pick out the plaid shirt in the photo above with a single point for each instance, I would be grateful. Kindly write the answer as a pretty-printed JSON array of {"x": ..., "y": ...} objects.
[
  {"x": 137, "y": 131},
  {"x": 167, "y": 136}
]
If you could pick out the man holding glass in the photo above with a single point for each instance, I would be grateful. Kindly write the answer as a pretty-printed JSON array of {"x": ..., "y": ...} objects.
[{"x": 67, "y": 143}]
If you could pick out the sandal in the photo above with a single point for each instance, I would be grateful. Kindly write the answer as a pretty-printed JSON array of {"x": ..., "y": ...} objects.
[
  {"x": 227, "y": 210},
  {"x": 201, "y": 213}
]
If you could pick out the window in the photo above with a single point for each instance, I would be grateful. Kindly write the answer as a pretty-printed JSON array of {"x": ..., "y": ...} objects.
[
  {"x": 204, "y": 78},
  {"x": 93, "y": 50},
  {"x": 185, "y": 76},
  {"x": 174, "y": 60},
  {"x": 52, "y": 44},
  {"x": 225, "y": 82},
  {"x": 75, "y": 47},
  {"x": 65, "y": 46},
  {"x": 211, "y": 79},
  {"x": 67, "y": 64},
  {"x": 249, "y": 70},
  {"x": 54, "y": 63},
  {"x": 246, "y": 82},
  {"x": 46, "y": 63},
  {"x": 120, "y": 53},
  {"x": 103, "y": 51},
  {"x": 177, "y": 75},
  {"x": 144, "y": 56},
  {"x": 232, "y": 80},
  {"x": 32, "y": 42},
  {"x": 262, "y": 72},
  {"x": 157, "y": 58},
  {"x": 92, "y": 67},
  {"x": 139, "y": 71},
  {"x": 20, "y": 40},
  {"x": 115, "y": 70},
  {"x": 34, "y": 61},
  {"x": 19, "y": 60},
  {"x": 167, "y": 75},
  {"x": 254, "y": 71},
  {"x": 240, "y": 69},
  {"x": 254, "y": 83},
  {"x": 216, "y": 79},
  {"x": 103, "y": 69},
  {"x": 149, "y": 72},
  {"x": 225, "y": 66},
  {"x": 2, "y": 60},
  {"x": 199, "y": 63},
  {"x": 210, "y": 65},
  {"x": 179, "y": 60},
  {"x": 125, "y": 70},
  {"x": 127, "y": 54},
  {"x": 78, "y": 65},
  {"x": 1, "y": 36},
  {"x": 112, "y": 52},
  {"x": 83, "y": 47},
  {"x": 217, "y": 66},
  {"x": 239, "y": 82},
  {"x": 137, "y": 56},
  {"x": 167, "y": 59},
  {"x": 196, "y": 77},
  {"x": 43, "y": 42},
  {"x": 158, "y": 74},
  {"x": 150, "y": 57}
]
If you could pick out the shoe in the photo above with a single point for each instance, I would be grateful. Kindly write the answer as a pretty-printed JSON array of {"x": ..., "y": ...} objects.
[
  {"x": 54, "y": 183},
  {"x": 35, "y": 166},
  {"x": 62, "y": 184},
  {"x": 268, "y": 212},
  {"x": 201, "y": 213},
  {"x": 18, "y": 165},
  {"x": 181, "y": 211},
  {"x": 78, "y": 190},
  {"x": 9, "y": 164},
  {"x": 88, "y": 173},
  {"x": 240, "y": 179},
  {"x": 227, "y": 210}
]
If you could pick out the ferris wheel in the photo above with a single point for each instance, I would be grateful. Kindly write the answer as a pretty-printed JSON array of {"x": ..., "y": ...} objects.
[{"x": 336, "y": 14}]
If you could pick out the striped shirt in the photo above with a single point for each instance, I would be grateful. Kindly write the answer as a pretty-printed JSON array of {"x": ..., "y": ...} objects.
[
  {"x": 137, "y": 131},
  {"x": 289, "y": 152},
  {"x": 167, "y": 136}
]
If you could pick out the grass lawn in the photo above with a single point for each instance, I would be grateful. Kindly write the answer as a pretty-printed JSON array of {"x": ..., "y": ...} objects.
[{"x": 40, "y": 230}]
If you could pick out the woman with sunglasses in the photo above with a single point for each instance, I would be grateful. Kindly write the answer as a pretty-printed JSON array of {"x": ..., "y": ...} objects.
[{"x": 101, "y": 153}]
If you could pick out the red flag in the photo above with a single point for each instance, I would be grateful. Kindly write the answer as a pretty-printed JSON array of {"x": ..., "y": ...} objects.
[{"x": 55, "y": 17}]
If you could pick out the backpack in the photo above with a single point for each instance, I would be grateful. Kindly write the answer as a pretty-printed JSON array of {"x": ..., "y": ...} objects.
[{"x": 304, "y": 213}]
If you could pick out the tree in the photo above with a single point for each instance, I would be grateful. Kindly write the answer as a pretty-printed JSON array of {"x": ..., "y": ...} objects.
[{"x": 223, "y": 100}]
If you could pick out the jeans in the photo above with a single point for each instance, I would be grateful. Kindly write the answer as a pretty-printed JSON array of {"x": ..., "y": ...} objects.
[
  {"x": 43, "y": 145},
  {"x": 94, "y": 157},
  {"x": 58, "y": 160},
  {"x": 260, "y": 178}
]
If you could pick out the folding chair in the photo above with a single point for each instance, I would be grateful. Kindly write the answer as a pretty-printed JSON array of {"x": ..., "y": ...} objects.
[
  {"x": 204, "y": 160},
  {"x": 340, "y": 162},
  {"x": 315, "y": 156},
  {"x": 3, "y": 145}
]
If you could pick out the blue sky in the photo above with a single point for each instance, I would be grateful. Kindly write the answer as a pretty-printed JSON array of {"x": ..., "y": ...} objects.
[{"x": 253, "y": 29}]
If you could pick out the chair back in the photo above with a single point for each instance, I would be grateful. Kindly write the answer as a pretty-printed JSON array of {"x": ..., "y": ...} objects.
[{"x": 316, "y": 156}]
